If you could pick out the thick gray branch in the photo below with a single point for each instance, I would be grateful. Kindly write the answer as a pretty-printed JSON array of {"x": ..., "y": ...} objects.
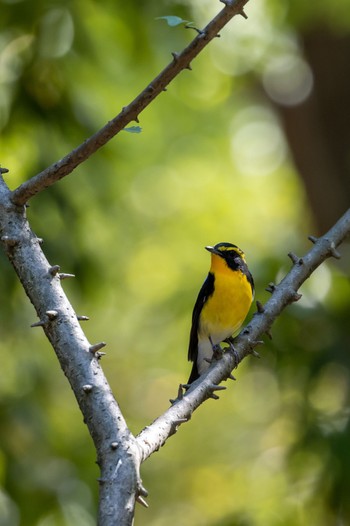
[
  {"x": 117, "y": 452},
  {"x": 131, "y": 112},
  {"x": 283, "y": 294}
]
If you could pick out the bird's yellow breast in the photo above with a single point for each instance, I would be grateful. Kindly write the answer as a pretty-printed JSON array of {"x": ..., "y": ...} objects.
[{"x": 226, "y": 309}]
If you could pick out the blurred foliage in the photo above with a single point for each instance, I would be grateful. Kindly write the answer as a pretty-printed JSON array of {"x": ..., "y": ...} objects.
[{"x": 211, "y": 164}]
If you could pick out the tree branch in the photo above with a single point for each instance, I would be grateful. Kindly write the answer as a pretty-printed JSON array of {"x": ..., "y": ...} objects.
[
  {"x": 129, "y": 113},
  {"x": 117, "y": 452},
  {"x": 283, "y": 294}
]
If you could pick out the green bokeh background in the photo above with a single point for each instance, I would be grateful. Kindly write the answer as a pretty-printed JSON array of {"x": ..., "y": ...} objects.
[{"x": 212, "y": 164}]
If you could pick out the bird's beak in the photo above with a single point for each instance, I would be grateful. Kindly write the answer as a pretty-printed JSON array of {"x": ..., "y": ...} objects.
[{"x": 212, "y": 250}]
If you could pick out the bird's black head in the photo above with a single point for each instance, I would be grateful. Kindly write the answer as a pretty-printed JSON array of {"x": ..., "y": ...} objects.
[
  {"x": 234, "y": 258},
  {"x": 227, "y": 251}
]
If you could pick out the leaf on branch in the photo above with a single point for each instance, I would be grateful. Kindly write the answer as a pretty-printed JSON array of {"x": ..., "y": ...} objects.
[
  {"x": 174, "y": 21},
  {"x": 133, "y": 129}
]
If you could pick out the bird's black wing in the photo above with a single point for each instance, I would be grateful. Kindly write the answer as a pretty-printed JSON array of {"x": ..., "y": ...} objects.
[
  {"x": 206, "y": 291},
  {"x": 245, "y": 270}
]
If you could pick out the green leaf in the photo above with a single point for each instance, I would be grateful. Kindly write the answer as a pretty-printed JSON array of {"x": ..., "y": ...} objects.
[
  {"x": 133, "y": 129},
  {"x": 173, "y": 20}
]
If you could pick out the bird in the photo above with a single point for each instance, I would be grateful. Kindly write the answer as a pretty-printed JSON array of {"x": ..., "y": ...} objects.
[{"x": 221, "y": 307}]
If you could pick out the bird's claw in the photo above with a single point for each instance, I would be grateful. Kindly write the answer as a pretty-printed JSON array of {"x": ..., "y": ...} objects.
[
  {"x": 217, "y": 352},
  {"x": 233, "y": 350}
]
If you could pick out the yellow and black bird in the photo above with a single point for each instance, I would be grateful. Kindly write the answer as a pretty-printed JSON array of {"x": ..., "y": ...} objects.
[{"x": 222, "y": 305}]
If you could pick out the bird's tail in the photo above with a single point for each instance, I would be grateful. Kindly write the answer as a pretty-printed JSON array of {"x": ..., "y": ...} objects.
[{"x": 194, "y": 373}]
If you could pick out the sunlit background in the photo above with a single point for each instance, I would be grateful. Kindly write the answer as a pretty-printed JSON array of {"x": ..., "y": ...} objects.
[{"x": 251, "y": 147}]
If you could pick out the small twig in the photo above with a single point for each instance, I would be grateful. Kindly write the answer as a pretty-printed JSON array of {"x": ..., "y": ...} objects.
[{"x": 129, "y": 113}]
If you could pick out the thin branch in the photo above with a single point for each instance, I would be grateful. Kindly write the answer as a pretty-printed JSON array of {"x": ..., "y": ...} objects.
[
  {"x": 129, "y": 113},
  {"x": 283, "y": 294}
]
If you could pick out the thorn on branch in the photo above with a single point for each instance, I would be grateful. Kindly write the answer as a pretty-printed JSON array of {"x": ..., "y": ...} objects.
[
  {"x": 180, "y": 393},
  {"x": 66, "y": 276},
  {"x": 295, "y": 296},
  {"x": 254, "y": 353},
  {"x": 268, "y": 334},
  {"x": 51, "y": 314},
  {"x": 260, "y": 307},
  {"x": 141, "y": 501},
  {"x": 4, "y": 170},
  {"x": 215, "y": 387},
  {"x": 231, "y": 377},
  {"x": 334, "y": 252},
  {"x": 87, "y": 388},
  {"x": 96, "y": 347},
  {"x": 175, "y": 56},
  {"x": 141, "y": 490},
  {"x": 243, "y": 13},
  {"x": 255, "y": 343},
  {"x": 271, "y": 287},
  {"x": 54, "y": 270},
  {"x": 313, "y": 239},
  {"x": 180, "y": 421},
  {"x": 83, "y": 318},
  {"x": 295, "y": 259},
  {"x": 114, "y": 445},
  {"x": 39, "y": 323},
  {"x": 175, "y": 424},
  {"x": 40, "y": 240},
  {"x": 189, "y": 67}
]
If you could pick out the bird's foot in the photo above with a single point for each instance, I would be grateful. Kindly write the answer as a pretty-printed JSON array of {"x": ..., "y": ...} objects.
[
  {"x": 233, "y": 350},
  {"x": 217, "y": 352}
]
